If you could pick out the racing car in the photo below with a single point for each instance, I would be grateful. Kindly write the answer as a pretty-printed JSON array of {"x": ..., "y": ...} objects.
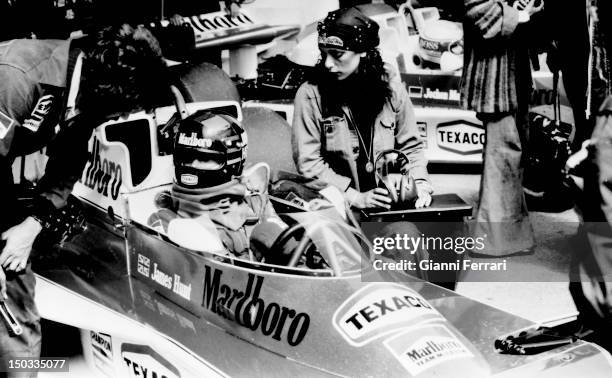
[
  {"x": 148, "y": 305},
  {"x": 436, "y": 37},
  {"x": 145, "y": 305}
]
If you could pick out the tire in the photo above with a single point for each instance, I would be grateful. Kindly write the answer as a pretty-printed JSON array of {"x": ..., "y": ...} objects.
[
  {"x": 269, "y": 139},
  {"x": 206, "y": 82}
]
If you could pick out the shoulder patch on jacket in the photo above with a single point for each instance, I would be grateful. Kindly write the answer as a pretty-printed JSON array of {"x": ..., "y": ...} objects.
[
  {"x": 38, "y": 114},
  {"x": 6, "y": 123}
]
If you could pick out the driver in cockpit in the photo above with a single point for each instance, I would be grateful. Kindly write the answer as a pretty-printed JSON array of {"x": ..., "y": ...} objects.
[{"x": 214, "y": 206}]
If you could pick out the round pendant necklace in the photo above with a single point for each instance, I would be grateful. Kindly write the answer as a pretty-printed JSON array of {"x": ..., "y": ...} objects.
[{"x": 369, "y": 167}]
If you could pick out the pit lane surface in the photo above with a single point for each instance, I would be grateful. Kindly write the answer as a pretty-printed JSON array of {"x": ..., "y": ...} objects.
[{"x": 547, "y": 299}]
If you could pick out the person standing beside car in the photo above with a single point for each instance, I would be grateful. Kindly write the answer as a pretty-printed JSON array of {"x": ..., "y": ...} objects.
[
  {"x": 120, "y": 70},
  {"x": 496, "y": 84},
  {"x": 333, "y": 146},
  {"x": 349, "y": 112}
]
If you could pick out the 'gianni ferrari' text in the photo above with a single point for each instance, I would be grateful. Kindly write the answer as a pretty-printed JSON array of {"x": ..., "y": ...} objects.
[{"x": 246, "y": 308}]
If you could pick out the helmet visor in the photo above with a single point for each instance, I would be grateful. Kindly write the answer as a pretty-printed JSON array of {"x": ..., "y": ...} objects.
[{"x": 205, "y": 160}]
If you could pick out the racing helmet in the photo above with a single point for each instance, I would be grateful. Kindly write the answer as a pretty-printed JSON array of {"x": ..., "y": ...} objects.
[{"x": 209, "y": 150}]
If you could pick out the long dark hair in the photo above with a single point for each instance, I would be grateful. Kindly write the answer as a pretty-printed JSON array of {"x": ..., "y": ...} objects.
[{"x": 368, "y": 86}]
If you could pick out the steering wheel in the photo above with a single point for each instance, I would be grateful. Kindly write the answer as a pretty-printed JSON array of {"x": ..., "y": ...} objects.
[{"x": 305, "y": 243}]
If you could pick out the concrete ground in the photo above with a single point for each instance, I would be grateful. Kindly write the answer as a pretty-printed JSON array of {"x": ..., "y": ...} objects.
[{"x": 536, "y": 301}]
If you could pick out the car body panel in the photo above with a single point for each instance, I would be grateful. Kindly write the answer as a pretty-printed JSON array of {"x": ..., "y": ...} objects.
[{"x": 178, "y": 312}]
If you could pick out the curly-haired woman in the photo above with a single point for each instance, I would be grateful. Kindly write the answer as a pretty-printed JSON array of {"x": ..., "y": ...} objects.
[
  {"x": 351, "y": 77},
  {"x": 350, "y": 111}
]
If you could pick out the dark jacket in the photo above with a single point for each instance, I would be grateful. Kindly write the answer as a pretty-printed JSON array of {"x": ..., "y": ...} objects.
[
  {"x": 496, "y": 68},
  {"x": 33, "y": 76}
]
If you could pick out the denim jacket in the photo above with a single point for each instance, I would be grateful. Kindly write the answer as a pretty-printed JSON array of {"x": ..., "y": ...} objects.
[{"x": 322, "y": 147}]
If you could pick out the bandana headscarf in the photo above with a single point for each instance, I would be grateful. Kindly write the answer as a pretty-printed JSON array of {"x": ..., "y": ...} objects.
[{"x": 348, "y": 29}]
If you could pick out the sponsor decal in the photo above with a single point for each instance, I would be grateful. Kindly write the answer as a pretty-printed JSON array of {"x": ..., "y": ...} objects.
[
  {"x": 173, "y": 282},
  {"x": 461, "y": 137},
  {"x": 38, "y": 114},
  {"x": 206, "y": 289},
  {"x": 102, "y": 174},
  {"x": 426, "y": 347},
  {"x": 188, "y": 179},
  {"x": 194, "y": 141},
  {"x": 432, "y": 46},
  {"x": 436, "y": 94},
  {"x": 165, "y": 310},
  {"x": 142, "y": 361},
  {"x": 6, "y": 123},
  {"x": 147, "y": 300},
  {"x": 433, "y": 89},
  {"x": 378, "y": 309},
  {"x": 102, "y": 352},
  {"x": 331, "y": 40},
  {"x": 247, "y": 308},
  {"x": 102, "y": 344},
  {"x": 212, "y": 23}
]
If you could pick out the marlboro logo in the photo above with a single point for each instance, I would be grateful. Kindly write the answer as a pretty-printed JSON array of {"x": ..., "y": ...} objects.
[
  {"x": 194, "y": 141},
  {"x": 434, "y": 345}
]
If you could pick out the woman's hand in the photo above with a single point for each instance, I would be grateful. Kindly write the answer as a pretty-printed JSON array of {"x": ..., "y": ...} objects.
[
  {"x": 530, "y": 6},
  {"x": 534, "y": 6},
  {"x": 423, "y": 198},
  {"x": 375, "y": 198}
]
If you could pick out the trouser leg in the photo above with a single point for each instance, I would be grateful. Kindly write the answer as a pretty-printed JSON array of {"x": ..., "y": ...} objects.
[
  {"x": 20, "y": 290},
  {"x": 501, "y": 216}
]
